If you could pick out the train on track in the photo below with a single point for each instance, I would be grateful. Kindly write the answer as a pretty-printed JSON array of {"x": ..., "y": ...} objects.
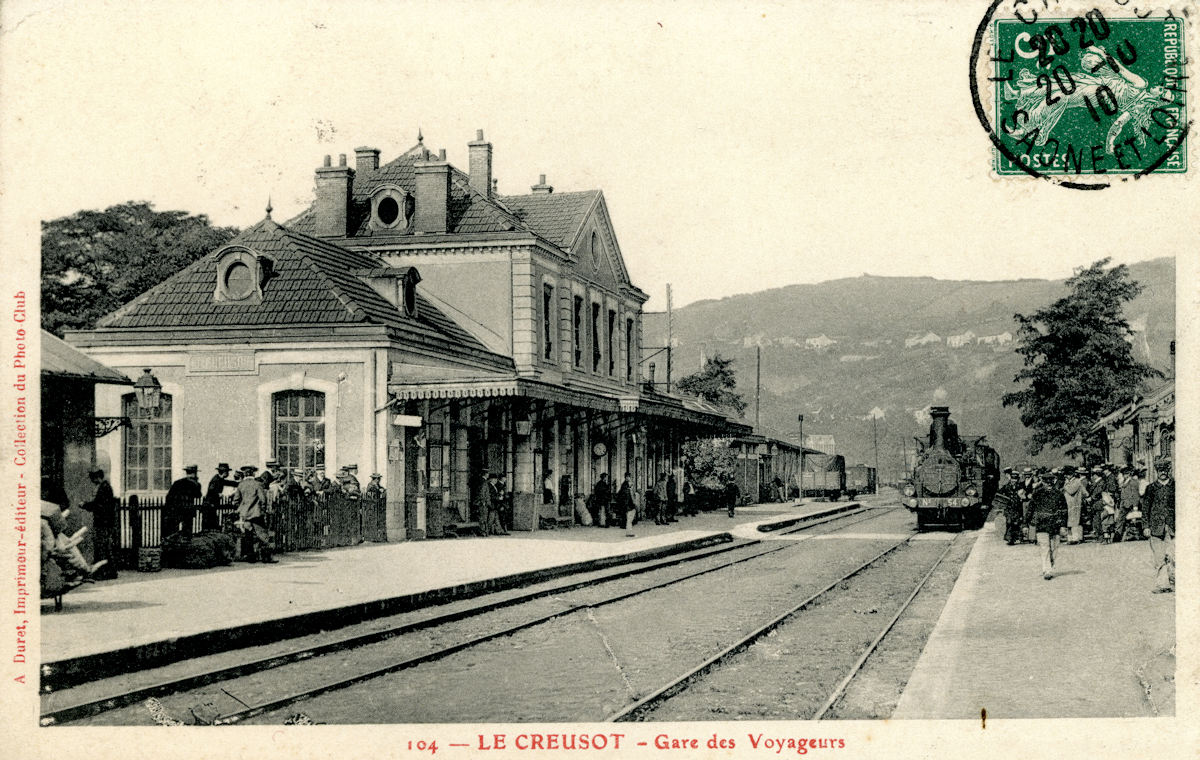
[
  {"x": 955, "y": 477},
  {"x": 861, "y": 479},
  {"x": 824, "y": 475}
]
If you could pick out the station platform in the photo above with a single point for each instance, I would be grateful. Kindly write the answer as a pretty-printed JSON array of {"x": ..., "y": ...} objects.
[
  {"x": 146, "y": 618},
  {"x": 1091, "y": 642}
]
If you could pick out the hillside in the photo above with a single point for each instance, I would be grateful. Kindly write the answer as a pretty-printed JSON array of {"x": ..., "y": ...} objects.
[{"x": 837, "y": 350}]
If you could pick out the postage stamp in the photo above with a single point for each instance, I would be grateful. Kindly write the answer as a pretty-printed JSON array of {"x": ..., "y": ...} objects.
[{"x": 1082, "y": 99}]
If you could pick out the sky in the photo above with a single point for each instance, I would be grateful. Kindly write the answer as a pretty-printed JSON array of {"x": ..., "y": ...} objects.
[{"x": 740, "y": 146}]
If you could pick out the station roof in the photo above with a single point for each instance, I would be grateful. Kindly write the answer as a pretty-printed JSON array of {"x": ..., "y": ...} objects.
[{"x": 59, "y": 359}]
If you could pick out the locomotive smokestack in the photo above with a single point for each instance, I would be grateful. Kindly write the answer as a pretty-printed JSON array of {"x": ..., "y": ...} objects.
[{"x": 940, "y": 415}]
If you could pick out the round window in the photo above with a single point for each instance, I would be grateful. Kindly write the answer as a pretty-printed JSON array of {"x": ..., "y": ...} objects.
[
  {"x": 388, "y": 210},
  {"x": 239, "y": 280}
]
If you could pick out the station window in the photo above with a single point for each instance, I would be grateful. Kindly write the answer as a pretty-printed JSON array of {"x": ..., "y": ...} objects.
[
  {"x": 147, "y": 451},
  {"x": 299, "y": 428},
  {"x": 578, "y": 331},
  {"x": 612, "y": 330},
  {"x": 548, "y": 322},
  {"x": 596, "y": 355},
  {"x": 629, "y": 348}
]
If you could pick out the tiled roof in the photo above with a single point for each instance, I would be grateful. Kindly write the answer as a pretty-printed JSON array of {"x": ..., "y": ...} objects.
[
  {"x": 555, "y": 216},
  {"x": 62, "y": 360},
  {"x": 468, "y": 210},
  {"x": 314, "y": 282}
]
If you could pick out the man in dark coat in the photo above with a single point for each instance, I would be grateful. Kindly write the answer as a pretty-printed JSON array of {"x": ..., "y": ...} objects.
[
  {"x": 626, "y": 506},
  {"x": 103, "y": 507},
  {"x": 212, "y": 495},
  {"x": 180, "y": 502},
  {"x": 672, "y": 501},
  {"x": 375, "y": 489},
  {"x": 496, "y": 498},
  {"x": 1158, "y": 508},
  {"x": 733, "y": 495},
  {"x": 1048, "y": 513},
  {"x": 601, "y": 496}
]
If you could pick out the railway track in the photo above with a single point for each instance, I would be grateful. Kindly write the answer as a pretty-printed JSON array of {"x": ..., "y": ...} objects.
[
  {"x": 654, "y": 701},
  {"x": 691, "y": 565}
]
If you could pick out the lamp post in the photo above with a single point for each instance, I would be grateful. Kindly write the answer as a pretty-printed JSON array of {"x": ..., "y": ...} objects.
[
  {"x": 800, "y": 419},
  {"x": 148, "y": 391}
]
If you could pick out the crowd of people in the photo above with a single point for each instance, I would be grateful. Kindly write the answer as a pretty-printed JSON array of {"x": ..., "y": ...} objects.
[
  {"x": 1103, "y": 503},
  {"x": 253, "y": 492},
  {"x": 671, "y": 496},
  {"x": 255, "y": 495}
]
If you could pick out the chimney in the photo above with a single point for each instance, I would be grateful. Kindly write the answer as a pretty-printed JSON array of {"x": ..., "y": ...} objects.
[
  {"x": 1172, "y": 360},
  {"x": 480, "y": 160},
  {"x": 334, "y": 187},
  {"x": 432, "y": 194},
  {"x": 541, "y": 188},
  {"x": 366, "y": 159},
  {"x": 940, "y": 415}
]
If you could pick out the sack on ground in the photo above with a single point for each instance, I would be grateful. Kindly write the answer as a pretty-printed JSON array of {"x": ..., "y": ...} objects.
[{"x": 207, "y": 549}]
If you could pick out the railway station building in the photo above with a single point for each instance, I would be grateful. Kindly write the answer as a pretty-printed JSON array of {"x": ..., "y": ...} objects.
[
  {"x": 414, "y": 323},
  {"x": 1141, "y": 434}
]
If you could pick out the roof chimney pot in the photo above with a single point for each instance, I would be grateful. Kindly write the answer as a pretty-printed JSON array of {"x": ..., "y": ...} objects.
[
  {"x": 328, "y": 160},
  {"x": 432, "y": 195},
  {"x": 342, "y": 159},
  {"x": 479, "y": 152},
  {"x": 335, "y": 187},
  {"x": 541, "y": 188},
  {"x": 366, "y": 159}
]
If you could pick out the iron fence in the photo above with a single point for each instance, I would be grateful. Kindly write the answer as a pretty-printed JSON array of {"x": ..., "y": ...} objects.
[{"x": 297, "y": 523}]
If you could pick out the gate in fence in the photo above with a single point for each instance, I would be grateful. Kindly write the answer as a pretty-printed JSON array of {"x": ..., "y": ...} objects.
[{"x": 297, "y": 523}]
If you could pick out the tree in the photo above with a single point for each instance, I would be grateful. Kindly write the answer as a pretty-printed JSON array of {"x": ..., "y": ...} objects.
[
  {"x": 95, "y": 261},
  {"x": 709, "y": 462},
  {"x": 1079, "y": 363},
  {"x": 715, "y": 384}
]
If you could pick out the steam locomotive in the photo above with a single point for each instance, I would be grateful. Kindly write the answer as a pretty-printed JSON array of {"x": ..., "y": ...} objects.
[{"x": 955, "y": 478}]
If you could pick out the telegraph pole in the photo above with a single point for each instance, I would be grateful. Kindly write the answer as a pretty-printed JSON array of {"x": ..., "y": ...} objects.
[
  {"x": 758, "y": 382},
  {"x": 669, "y": 338},
  {"x": 875, "y": 441}
]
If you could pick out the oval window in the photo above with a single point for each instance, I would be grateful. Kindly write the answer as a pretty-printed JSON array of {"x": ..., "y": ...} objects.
[
  {"x": 388, "y": 210},
  {"x": 410, "y": 298},
  {"x": 239, "y": 280}
]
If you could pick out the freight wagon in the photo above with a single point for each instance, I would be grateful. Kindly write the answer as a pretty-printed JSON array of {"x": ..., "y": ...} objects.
[
  {"x": 860, "y": 479},
  {"x": 824, "y": 475}
]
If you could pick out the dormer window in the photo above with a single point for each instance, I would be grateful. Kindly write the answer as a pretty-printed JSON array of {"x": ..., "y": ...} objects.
[
  {"x": 408, "y": 293},
  {"x": 391, "y": 209},
  {"x": 241, "y": 275},
  {"x": 397, "y": 284},
  {"x": 239, "y": 281}
]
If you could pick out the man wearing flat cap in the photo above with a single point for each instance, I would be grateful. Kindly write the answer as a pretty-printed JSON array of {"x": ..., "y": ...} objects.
[{"x": 181, "y": 502}]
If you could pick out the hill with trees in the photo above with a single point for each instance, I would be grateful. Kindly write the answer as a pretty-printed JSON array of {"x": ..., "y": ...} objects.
[{"x": 844, "y": 350}]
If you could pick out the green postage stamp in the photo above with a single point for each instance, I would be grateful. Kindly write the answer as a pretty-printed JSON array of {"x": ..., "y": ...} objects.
[{"x": 1082, "y": 99}]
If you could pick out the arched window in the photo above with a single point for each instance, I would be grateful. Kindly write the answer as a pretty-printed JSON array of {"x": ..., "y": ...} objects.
[
  {"x": 298, "y": 428},
  {"x": 147, "y": 450}
]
